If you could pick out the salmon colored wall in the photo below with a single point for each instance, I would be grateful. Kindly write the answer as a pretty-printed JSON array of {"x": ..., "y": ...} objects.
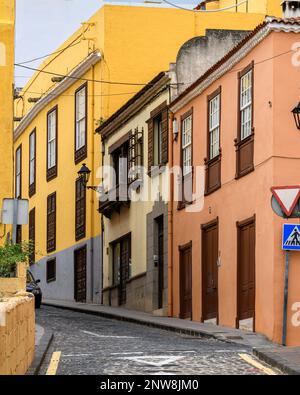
[{"x": 237, "y": 200}]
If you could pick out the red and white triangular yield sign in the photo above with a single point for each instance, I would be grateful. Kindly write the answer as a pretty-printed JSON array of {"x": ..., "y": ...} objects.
[{"x": 287, "y": 197}]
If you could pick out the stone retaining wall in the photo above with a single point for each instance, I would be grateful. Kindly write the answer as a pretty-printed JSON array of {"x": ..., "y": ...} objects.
[{"x": 17, "y": 334}]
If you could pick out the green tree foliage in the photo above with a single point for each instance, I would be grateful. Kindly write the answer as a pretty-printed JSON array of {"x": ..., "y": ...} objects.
[{"x": 11, "y": 254}]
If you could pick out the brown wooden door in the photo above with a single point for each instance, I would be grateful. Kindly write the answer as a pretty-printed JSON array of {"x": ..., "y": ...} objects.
[
  {"x": 125, "y": 255},
  {"x": 80, "y": 275},
  {"x": 246, "y": 269},
  {"x": 160, "y": 262},
  {"x": 186, "y": 281},
  {"x": 210, "y": 251}
]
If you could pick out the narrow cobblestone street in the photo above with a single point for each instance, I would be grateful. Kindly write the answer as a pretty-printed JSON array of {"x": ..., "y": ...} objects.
[{"x": 91, "y": 345}]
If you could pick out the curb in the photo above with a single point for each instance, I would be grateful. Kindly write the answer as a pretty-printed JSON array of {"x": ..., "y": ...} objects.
[
  {"x": 40, "y": 353},
  {"x": 141, "y": 321},
  {"x": 277, "y": 361}
]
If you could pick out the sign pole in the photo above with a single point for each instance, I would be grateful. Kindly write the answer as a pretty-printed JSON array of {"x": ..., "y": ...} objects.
[
  {"x": 286, "y": 295},
  {"x": 15, "y": 221}
]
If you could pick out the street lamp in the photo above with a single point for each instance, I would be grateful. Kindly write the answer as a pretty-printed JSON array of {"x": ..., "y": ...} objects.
[
  {"x": 84, "y": 176},
  {"x": 296, "y": 113}
]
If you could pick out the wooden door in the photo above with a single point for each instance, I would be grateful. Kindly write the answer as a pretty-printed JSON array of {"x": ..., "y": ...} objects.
[
  {"x": 246, "y": 270},
  {"x": 210, "y": 252},
  {"x": 160, "y": 262},
  {"x": 125, "y": 255},
  {"x": 186, "y": 281},
  {"x": 80, "y": 275}
]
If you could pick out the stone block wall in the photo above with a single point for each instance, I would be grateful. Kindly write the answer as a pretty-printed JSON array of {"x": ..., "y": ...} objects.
[{"x": 17, "y": 334}]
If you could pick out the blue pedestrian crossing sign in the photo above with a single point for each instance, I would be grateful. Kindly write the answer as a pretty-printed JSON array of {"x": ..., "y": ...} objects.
[{"x": 291, "y": 237}]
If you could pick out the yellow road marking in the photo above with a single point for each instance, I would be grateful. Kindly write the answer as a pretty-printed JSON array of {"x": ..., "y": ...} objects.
[
  {"x": 53, "y": 365},
  {"x": 257, "y": 364}
]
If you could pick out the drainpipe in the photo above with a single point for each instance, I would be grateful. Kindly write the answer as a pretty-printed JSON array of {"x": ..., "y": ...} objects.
[
  {"x": 170, "y": 221},
  {"x": 102, "y": 225}
]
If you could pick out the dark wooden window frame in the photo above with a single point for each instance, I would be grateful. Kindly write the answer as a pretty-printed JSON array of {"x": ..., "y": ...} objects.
[
  {"x": 213, "y": 165},
  {"x": 51, "y": 239},
  {"x": 52, "y": 171},
  {"x": 32, "y": 186},
  {"x": 183, "y": 203},
  {"x": 81, "y": 153},
  {"x": 161, "y": 111},
  {"x": 245, "y": 146},
  {"x": 239, "y": 225},
  {"x": 31, "y": 236},
  {"x": 19, "y": 149},
  {"x": 80, "y": 220},
  {"x": 50, "y": 278}
]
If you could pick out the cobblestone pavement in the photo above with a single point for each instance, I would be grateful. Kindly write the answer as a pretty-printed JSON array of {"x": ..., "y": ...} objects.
[{"x": 97, "y": 346}]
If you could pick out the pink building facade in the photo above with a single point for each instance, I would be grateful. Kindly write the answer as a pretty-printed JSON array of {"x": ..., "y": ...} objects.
[{"x": 235, "y": 122}]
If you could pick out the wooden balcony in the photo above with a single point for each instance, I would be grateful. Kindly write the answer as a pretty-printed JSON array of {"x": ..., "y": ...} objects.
[{"x": 116, "y": 198}]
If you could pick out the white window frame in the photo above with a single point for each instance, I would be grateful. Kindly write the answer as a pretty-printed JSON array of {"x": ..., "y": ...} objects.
[
  {"x": 32, "y": 153},
  {"x": 186, "y": 145},
  {"x": 214, "y": 126},
  {"x": 51, "y": 139},
  {"x": 80, "y": 118},
  {"x": 246, "y": 104},
  {"x": 18, "y": 172}
]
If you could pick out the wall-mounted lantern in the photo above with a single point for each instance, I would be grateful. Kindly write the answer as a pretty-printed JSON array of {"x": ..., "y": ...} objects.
[{"x": 84, "y": 175}]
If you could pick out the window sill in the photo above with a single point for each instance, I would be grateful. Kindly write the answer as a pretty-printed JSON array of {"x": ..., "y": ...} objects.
[
  {"x": 51, "y": 173},
  {"x": 207, "y": 193},
  {"x": 241, "y": 175},
  {"x": 80, "y": 154}
]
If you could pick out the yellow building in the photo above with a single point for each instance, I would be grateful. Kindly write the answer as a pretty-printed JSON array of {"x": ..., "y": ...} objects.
[
  {"x": 90, "y": 76},
  {"x": 7, "y": 24}
]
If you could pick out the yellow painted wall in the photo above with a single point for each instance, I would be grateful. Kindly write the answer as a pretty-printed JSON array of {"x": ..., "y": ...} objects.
[
  {"x": 7, "y": 21},
  {"x": 136, "y": 43}
]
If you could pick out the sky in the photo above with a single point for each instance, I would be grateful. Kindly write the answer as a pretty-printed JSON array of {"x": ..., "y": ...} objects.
[{"x": 43, "y": 25}]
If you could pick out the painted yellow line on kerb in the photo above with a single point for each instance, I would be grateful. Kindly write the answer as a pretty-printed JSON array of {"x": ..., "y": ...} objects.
[
  {"x": 53, "y": 365},
  {"x": 258, "y": 365}
]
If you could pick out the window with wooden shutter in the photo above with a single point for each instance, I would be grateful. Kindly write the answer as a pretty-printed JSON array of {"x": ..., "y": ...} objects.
[
  {"x": 51, "y": 270},
  {"x": 135, "y": 155},
  {"x": 18, "y": 173},
  {"x": 186, "y": 136},
  {"x": 244, "y": 142},
  {"x": 165, "y": 135},
  {"x": 158, "y": 127},
  {"x": 213, "y": 160},
  {"x": 32, "y": 163},
  {"x": 80, "y": 210},
  {"x": 81, "y": 123},
  {"x": 52, "y": 126},
  {"x": 150, "y": 144},
  {"x": 32, "y": 235},
  {"x": 51, "y": 222}
]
